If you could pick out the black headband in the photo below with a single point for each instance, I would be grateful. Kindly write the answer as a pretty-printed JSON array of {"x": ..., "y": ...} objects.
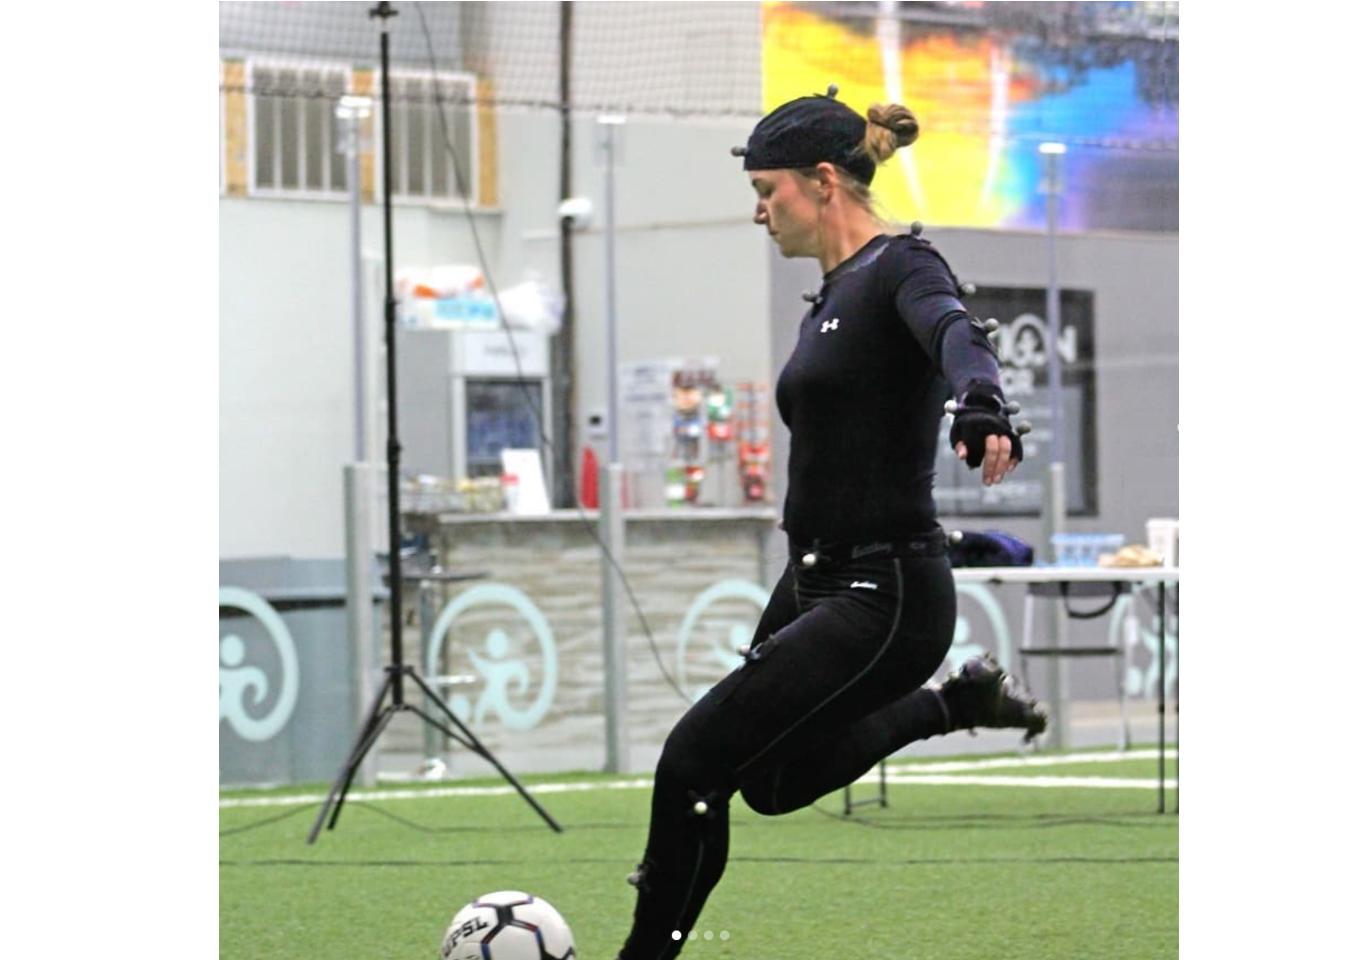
[{"x": 806, "y": 132}]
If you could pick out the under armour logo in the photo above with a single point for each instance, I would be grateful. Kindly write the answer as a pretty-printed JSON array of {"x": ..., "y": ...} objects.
[{"x": 829, "y": 325}]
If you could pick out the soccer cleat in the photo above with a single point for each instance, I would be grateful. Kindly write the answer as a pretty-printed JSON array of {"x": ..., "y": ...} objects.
[{"x": 982, "y": 694}]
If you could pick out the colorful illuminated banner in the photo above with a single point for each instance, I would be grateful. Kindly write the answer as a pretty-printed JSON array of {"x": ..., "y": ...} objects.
[{"x": 990, "y": 83}]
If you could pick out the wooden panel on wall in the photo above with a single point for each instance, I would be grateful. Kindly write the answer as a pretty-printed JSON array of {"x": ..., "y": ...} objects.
[
  {"x": 233, "y": 76},
  {"x": 363, "y": 85},
  {"x": 487, "y": 125}
]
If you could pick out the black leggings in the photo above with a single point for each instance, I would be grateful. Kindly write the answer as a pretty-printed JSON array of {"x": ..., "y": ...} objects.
[{"x": 831, "y": 685}]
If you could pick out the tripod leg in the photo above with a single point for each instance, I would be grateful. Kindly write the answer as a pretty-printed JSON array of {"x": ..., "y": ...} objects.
[
  {"x": 362, "y": 749},
  {"x": 470, "y": 740},
  {"x": 370, "y": 731}
]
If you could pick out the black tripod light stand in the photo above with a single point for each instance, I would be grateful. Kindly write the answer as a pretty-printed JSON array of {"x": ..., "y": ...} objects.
[{"x": 390, "y": 698}]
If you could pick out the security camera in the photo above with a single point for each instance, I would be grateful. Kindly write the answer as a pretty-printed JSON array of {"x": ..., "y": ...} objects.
[{"x": 578, "y": 210}]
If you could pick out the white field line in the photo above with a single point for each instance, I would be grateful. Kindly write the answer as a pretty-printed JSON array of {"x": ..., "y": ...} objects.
[
  {"x": 1104, "y": 782},
  {"x": 921, "y": 773},
  {"x": 950, "y": 766}
]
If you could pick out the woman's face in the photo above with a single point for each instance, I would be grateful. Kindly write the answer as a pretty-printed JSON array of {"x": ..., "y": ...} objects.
[{"x": 786, "y": 205}]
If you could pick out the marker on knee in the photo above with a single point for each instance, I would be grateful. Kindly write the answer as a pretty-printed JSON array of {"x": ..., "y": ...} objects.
[{"x": 700, "y": 807}]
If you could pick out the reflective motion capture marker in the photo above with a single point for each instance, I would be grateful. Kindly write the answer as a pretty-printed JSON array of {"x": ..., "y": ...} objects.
[
  {"x": 700, "y": 808},
  {"x": 809, "y": 559},
  {"x": 1011, "y": 407}
]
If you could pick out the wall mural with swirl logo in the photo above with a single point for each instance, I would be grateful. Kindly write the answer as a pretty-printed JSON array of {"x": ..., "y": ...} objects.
[{"x": 286, "y": 716}]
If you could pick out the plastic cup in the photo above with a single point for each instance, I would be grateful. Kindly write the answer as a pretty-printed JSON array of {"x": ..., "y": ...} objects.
[{"x": 1163, "y": 539}]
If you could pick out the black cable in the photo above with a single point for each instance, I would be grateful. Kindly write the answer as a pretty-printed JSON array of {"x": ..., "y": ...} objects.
[
  {"x": 1088, "y": 614},
  {"x": 265, "y": 821}
]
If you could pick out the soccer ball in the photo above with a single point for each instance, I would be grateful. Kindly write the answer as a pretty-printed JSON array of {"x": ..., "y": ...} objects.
[{"x": 508, "y": 925}]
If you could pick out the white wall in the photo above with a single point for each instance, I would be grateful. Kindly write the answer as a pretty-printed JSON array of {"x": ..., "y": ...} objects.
[
  {"x": 691, "y": 269},
  {"x": 285, "y": 415}
]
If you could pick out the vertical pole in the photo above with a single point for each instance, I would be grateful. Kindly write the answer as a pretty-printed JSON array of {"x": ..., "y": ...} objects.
[
  {"x": 359, "y": 368},
  {"x": 434, "y": 743},
  {"x": 1056, "y": 506},
  {"x": 563, "y": 400},
  {"x": 392, "y": 446},
  {"x": 349, "y": 113},
  {"x": 611, "y": 525},
  {"x": 1057, "y": 734},
  {"x": 358, "y": 501},
  {"x": 607, "y": 125},
  {"x": 1163, "y": 682},
  {"x": 1052, "y": 302},
  {"x": 359, "y": 477},
  {"x": 612, "y": 535}
]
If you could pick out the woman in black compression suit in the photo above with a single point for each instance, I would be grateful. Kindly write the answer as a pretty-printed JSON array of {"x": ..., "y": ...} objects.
[{"x": 864, "y": 614}]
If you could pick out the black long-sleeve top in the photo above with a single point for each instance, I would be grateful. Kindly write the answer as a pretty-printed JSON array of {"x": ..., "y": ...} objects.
[{"x": 885, "y": 344}]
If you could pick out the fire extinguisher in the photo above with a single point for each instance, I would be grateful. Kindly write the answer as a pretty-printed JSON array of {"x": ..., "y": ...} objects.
[{"x": 589, "y": 471}]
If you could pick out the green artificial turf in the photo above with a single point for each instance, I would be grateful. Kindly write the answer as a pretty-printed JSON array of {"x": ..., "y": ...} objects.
[{"x": 944, "y": 872}]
